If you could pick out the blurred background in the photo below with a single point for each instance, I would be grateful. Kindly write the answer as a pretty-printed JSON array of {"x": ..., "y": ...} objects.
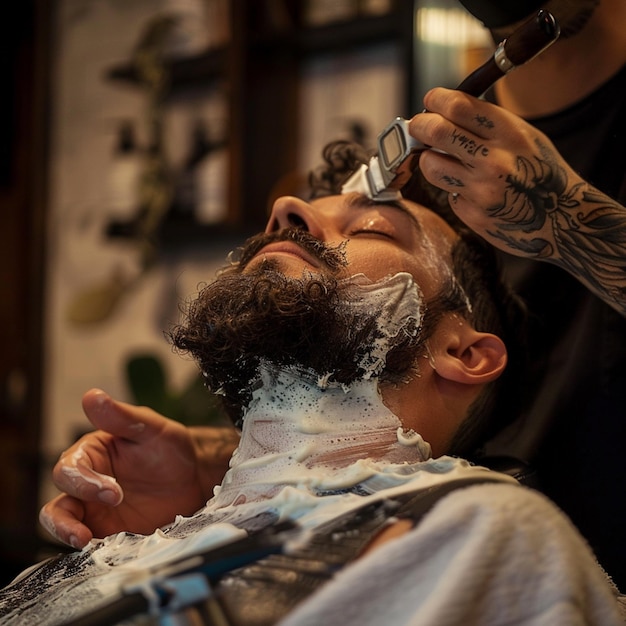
[{"x": 140, "y": 142}]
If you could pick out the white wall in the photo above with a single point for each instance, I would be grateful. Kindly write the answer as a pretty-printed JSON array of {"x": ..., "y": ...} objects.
[{"x": 91, "y": 37}]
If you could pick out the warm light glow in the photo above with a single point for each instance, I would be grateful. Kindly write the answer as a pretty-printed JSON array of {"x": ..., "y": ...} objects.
[{"x": 450, "y": 27}]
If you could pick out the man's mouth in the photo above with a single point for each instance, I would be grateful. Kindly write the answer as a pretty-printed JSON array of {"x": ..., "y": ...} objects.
[
  {"x": 286, "y": 248},
  {"x": 294, "y": 243}
]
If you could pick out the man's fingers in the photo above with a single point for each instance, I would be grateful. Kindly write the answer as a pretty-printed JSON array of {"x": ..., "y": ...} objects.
[
  {"x": 61, "y": 518},
  {"x": 119, "y": 418},
  {"x": 75, "y": 475}
]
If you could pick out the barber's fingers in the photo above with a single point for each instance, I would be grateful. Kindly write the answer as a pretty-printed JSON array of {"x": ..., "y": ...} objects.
[
  {"x": 483, "y": 181},
  {"x": 484, "y": 119},
  {"x": 61, "y": 517},
  {"x": 449, "y": 139},
  {"x": 447, "y": 172}
]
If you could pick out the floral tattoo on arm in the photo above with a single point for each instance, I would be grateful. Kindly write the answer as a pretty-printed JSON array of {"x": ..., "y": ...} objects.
[{"x": 572, "y": 225}]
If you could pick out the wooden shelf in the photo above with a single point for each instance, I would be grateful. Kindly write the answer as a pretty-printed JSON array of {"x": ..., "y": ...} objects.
[
  {"x": 260, "y": 72},
  {"x": 341, "y": 36},
  {"x": 189, "y": 72},
  {"x": 178, "y": 231},
  {"x": 328, "y": 39}
]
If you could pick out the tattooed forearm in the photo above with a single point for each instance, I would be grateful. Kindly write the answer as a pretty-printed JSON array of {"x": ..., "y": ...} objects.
[{"x": 571, "y": 224}]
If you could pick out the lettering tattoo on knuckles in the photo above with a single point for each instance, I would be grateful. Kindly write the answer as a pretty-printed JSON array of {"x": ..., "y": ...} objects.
[{"x": 470, "y": 146}]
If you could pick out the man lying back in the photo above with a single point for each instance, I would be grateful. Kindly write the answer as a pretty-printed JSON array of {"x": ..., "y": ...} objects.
[{"x": 361, "y": 348}]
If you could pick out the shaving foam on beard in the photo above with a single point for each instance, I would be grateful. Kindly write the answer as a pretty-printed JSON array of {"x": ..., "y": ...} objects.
[
  {"x": 299, "y": 429},
  {"x": 304, "y": 437}
]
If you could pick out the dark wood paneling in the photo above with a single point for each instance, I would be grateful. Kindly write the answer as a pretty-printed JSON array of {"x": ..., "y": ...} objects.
[{"x": 23, "y": 125}]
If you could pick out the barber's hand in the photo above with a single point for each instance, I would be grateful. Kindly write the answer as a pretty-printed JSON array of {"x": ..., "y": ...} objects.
[
  {"x": 135, "y": 473},
  {"x": 504, "y": 177},
  {"x": 509, "y": 184}
]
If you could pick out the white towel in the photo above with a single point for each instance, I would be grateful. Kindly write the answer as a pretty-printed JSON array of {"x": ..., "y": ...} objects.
[{"x": 485, "y": 555}]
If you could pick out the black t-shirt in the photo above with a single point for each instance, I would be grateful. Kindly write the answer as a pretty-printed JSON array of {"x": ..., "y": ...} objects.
[{"x": 574, "y": 427}]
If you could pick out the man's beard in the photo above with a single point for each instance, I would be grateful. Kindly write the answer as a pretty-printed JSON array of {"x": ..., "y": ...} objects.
[{"x": 243, "y": 320}]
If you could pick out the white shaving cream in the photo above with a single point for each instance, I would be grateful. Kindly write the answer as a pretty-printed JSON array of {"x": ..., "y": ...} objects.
[{"x": 305, "y": 443}]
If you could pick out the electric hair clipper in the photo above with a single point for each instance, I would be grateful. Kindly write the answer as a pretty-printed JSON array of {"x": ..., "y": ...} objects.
[{"x": 397, "y": 152}]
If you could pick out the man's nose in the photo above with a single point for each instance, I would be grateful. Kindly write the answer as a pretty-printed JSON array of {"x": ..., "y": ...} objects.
[{"x": 292, "y": 212}]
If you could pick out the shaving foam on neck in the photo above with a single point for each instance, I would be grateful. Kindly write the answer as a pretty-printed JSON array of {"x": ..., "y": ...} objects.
[{"x": 302, "y": 430}]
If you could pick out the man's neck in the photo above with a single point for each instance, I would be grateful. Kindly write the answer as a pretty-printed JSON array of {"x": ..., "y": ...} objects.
[
  {"x": 301, "y": 434},
  {"x": 571, "y": 69}
]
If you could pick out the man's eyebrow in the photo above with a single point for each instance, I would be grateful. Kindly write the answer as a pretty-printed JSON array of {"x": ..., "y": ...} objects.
[{"x": 361, "y": 201}]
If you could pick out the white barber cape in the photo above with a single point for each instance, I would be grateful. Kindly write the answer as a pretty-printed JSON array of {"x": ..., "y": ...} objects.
[{"x": 488, "y": 555}]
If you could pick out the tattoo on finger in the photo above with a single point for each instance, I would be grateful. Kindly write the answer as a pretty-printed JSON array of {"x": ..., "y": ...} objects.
[
  {"x": 451, "y": 181},
  {"x": 470, "y": 146},
  {"x": 484, "y": 122}
]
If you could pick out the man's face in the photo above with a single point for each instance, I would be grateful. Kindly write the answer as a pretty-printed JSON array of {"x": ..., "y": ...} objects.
[
  {"x": 377, "y": 240},
  {"x": 290, "y": 299}
]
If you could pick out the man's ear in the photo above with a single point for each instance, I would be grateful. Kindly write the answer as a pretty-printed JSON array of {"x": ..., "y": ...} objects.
[{"x": 470, "y": 357}]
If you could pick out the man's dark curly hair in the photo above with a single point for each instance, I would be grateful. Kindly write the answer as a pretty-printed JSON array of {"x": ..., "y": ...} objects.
[{"x": 494, "y": 307}]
